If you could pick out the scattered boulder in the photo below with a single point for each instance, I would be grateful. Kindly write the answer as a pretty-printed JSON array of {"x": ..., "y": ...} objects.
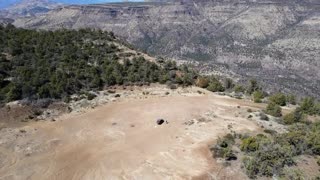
[
  {"x": 22, "y": 131},
  {"x": 160, "y": 121},
  {"x": 199, "y": 92},
  {"x": 263, "y": 117},
  {"x": 230, "y": 156},
  {"x": 111, "y": 91}
]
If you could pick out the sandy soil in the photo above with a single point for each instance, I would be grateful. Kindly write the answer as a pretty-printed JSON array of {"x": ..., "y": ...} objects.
[{"x": 121, "y": 140}]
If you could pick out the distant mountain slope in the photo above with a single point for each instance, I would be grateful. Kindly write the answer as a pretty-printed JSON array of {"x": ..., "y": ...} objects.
[
  {"x": 274, "y": 41},
  {"x": 5, "y": 21},
  {"x": 29, "y": 8}
]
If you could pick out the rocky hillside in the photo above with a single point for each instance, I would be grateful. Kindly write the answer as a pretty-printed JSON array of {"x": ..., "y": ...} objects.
[
  {"x": 57, "y": 64},
  {"x": 28, "y": 8},
  {"x": 274, "y": 41}
]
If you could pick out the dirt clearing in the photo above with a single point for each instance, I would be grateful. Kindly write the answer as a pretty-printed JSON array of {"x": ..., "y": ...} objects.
[{"x": 121, "y": 140}]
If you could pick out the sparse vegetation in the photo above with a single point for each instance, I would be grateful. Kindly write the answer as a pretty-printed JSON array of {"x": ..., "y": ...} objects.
[
  {"x": 270, "y": 131},
  {"x": 229, "y": 84},
  {"x": 279, "y": 150},
  {"x": 257, "y": 96},
  {"x": 293, "y": 174},
  {"x": 215, "y": 85},
  {"x": 253, "y": 86},
  {"x": 293, "y": 117},
  {"x": 279, "y": 99},
  {"x": 239, "y": 89},
  {"x": 274, "y": 154},
  {"x": 223, "y": 148},
  {"x": 273, "y": 109},
  {"x": 56, "y": 64},
  {"x": 202, "y": 82},
  {"x": 251, "y": 144},
  {"x": 291, "y": 99},
  {"x": 310, "y": 106}
]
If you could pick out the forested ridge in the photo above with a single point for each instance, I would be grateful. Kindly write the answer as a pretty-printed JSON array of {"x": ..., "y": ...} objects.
[{"x": 55, "y": 64}]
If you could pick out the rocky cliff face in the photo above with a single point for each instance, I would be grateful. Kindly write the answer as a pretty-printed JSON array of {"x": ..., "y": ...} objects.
[{"x": 274, "y": 41}]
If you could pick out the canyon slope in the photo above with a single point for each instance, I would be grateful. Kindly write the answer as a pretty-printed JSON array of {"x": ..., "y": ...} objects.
[
  {"x": 276, "y": 42},
  {"x": 28, "y": 8}
]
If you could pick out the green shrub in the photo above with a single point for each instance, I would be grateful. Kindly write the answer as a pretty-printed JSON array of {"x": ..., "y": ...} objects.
[
  {"x": 316, "y": 149},
  {"x": 291, "y": 99},
  {"x": 309, "y": 106},
  {"x": 293, "y": 117},
  {"x": 202, "y": 82},
  {"x": 317, "y": 109},
  {"x": 229, "y": 155},
  {"x": 253, "y": 86},
  {"x": 269, "y": 160},
  {"x": 318, "y": 161},
  {"x": 297, "y": 140},
  {"x": 13, "y": 94},
  {"x": 293, "y": 174},
  {"x": 250, "y": 166},
  {"x": 239, "y": 89},
  {"x": 227, "y": 140},
  {"x": 215, "y": 86},
  {"x": 279, "y": 99},
  {"x": 270, "y": 131},
  {"x": 57, "y": 64},
  {"x": 228, "y": 83},
  {"x": 274, "y": 154},
  {"x": 289, "y": 119},
  {"x": 273, "y": 109},
  {"x": 249, "y": 144},
  {"x": 258, "y": 96},
  {"x": 223, "y": 148}
]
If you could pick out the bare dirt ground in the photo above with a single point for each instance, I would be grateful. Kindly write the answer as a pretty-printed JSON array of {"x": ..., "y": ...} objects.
[{"x": 121, "y": 140}]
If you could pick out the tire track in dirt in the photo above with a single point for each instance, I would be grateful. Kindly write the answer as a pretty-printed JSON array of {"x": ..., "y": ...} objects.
[{"x": 8, "y": 161}]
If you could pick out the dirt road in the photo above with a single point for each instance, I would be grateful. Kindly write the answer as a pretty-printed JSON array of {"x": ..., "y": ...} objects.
[{"x": 121, "y": 140}]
